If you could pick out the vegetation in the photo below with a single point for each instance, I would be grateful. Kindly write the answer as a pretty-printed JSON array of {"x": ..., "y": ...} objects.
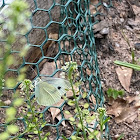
[
  {"x": 115, "y": 93},
  {"x": 15, "y": 16},
  {"x": 129, "y": 65},
  {"x": 81, "y": 119}
]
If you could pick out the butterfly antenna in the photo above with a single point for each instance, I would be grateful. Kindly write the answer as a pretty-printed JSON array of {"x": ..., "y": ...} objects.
[{"x": 33, "y": 70}]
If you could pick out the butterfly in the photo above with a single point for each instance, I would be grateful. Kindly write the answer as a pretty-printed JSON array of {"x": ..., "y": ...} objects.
[{"x": 48, "y": 91}]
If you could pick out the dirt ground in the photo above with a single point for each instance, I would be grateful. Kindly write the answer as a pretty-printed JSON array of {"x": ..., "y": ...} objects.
[
  {"x": 116, "y": 35},
  {"x": 123, "y": 37}
]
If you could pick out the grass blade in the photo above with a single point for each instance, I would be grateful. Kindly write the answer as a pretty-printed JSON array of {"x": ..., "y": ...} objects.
[{"x": 129, "y": 65}]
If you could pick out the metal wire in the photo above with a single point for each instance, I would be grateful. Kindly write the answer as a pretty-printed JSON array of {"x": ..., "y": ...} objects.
[{"x": 75, "y": 42}]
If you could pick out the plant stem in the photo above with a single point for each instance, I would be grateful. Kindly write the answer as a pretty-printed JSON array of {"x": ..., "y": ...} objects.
[
  {"x": 34, "y": 118},
  {"x": 78, "y": 110}
]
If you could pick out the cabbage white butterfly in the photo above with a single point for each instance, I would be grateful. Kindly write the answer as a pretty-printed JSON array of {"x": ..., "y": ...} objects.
[{"x": 49, "y": 91}]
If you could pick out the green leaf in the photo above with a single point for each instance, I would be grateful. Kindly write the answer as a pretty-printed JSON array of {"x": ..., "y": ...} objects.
[
  {"x": 12, "y": 129},
  {"x": 31, "y": 136},
  {"x": 41, "y": 115},
  {"x": 10, "y": 114},
  {"x": 133, "y": 57},
  {"x": 31, "y": 125},
  {"x": 67, "y": 112},
  {"x": 71, "y": 119},
  {"x": 64, "y": 137},
  {"x": 77, "y": 84},
  {"x": 73, "y": 137},
  {"x": 121, "y": 93},
  {"x": 21, "y": 77},
  {"x": 79, "y": 125},
  {"x": 4, "y": 136},
  {"x": 84, "y": 95},
  {"x": 106, "y": 120},
  {"x": 96, "y": 133},
  {"x": 10, "y": 60},
  {"x": 109, "y": 92},
  {"x": 129, "y": 65},
  {"x": 86, "y": 105},
  {"x": 71, "y": 102},
  {"x": 29, "y": 114},
  {"x": 89, "y": 119},
  {"x": 76, "y": 138},
  {"x": 114, "y": 93},
  {"x": 10, "y": 83},
  {"x": 85, "y": 111},
  {"x": 91, "y": 136},
  {"x": 28, "y": 106},
  {"x": 43, "y": 124},
  {"x": 18, "y": 102},
  {"x": 47, "y": 134},
  {"x": 35, "y": 132},
  {"x": 65, "y": 98}
]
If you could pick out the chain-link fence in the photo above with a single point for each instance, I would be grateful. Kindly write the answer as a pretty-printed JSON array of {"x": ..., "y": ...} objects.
[{"x": 62, "y": 31}]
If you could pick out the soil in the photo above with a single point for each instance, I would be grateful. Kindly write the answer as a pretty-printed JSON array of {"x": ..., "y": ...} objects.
[
  {"x": 118, "y": 44},
  {"x": 123, "y": 32}
]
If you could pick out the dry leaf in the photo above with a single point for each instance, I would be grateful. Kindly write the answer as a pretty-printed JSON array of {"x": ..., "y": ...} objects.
[
  {"x": 88, "y": 72},
  {"x": 130, "y": 99},
  {"x": 134, "y": 99},
  {"x": 117, "y": 106},
  {"x": 123, "y": 109},
  {"x": 7, "y": 102},
  {"x": 137, "y": 104},
  {"x": 59, "y": 117},
  {"x": 53, "y": 36},
  {"x": 124, "y": 75},
  {"x": 67, "y": 116},
  {"x": 127, "y": 113},
  {"x": 132, "y": 118},
  {"x": 92, "y": 99},
  {"x": 49, "y": 68},
  {"x": 55, "y": 111},
  {"x": 92, "y": 9},
  {"x": 70, "y": 93}
]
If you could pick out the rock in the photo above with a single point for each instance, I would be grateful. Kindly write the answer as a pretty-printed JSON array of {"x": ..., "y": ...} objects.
[
  {"x": 98, "y": 35},
  {"x": 132, "y": 22},
  {"x": 117, "y": 45},
  {"x": 122, "y": 20},
  {"x": 101, "y": 25},
  {"x": 137, "y": 92},
  {"x": 137, "y": 46},
  {"x": 137, "y": 30},
  {"x": 136, "y": 9},
  {"x": 129, "y": 28},
  {"x": 104, "y": 31}
]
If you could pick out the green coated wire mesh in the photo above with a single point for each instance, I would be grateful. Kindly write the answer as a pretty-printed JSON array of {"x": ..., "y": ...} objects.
[{"x": 62, "y": 31}]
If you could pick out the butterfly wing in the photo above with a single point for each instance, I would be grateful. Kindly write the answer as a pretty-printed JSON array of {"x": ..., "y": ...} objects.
[
  {"x": 46, "y": 94},
  {"x": 60, "y": 84}
]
